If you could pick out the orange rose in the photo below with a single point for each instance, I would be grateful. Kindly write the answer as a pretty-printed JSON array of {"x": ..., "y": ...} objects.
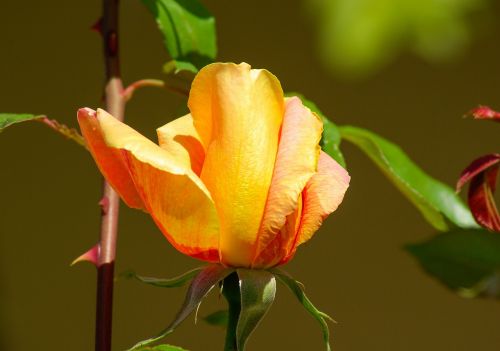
[{"x": 240, "y": 180}]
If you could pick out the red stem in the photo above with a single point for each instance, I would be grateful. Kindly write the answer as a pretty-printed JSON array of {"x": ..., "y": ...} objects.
[
  {"x": 114, "y": 104},
  {"x": 129, "y": 91}
]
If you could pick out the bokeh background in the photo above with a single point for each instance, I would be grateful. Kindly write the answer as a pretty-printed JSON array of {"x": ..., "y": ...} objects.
[{"x": 355, "y": 268}]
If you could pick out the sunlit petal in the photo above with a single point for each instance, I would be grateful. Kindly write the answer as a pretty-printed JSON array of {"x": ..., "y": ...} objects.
[
  {"x": 174, "y": 196},
  {"x": 280, "y": 249},
  {"x": 296, "y": 162},
  {"x": 110, "y": 161},
  {"x": 238, "y": 114},
  {"x": 181, "y": 140},
  {"x": 322, "y": 195}
]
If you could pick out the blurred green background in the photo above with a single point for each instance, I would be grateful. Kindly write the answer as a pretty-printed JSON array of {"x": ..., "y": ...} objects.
[{"x": 354, "y": 268}]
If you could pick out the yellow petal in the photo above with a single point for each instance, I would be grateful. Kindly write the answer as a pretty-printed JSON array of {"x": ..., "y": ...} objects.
[
  {"x": 109, "y": 161},
  {"x": 182, "y": 141},
  {"x": 174, "y": 196},
  {"x": 322, "y": 195},
  {"x": 238, "y": 114},
  {"x": 296, "y": 163}
]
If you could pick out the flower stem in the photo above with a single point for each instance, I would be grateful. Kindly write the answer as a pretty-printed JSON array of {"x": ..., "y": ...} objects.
[
  {"x": 231, "y": 291},
  {"x": 114, "y": 104}
]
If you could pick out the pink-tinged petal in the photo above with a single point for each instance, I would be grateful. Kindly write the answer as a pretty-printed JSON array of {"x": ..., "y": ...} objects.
[
  {"x": 109, "y": 160},
  {"x": 485, "y": 112},
  {"x": 279, "y": 249},
  {"x": 321, "y": 196},
  {"x": 91, "y": 256},
  {"x": 238, "y": 113},
  {"x": 172, "y": 193},
  {"x": 180, "y": 139},
  {"x": 296, "y": 163},
  {"x": 476, "y": 167},
  {"x": 482, "y": 174}
]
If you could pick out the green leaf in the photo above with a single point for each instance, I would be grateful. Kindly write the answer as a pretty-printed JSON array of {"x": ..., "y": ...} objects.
[
  {"x": 188, "y": 31},
  {"x": 164, "y": 347},
  {"x": 162, "y": 282},
  {"x": 201, "y": 285},
  {"x": 257, "y": 291},
  {"x": 175, "y": 66},
  {"x": 8, "y": 119},
  {"x": 330, "y": 141},
  {"x": 217, "y": 318},
  {"x": 331, "y": 138},
  {"x": 357, "y": 38},
  {"x": 298, "y": 290},
  {"x": 437, "y": 202},
  {"x": 467, "y": 261}
]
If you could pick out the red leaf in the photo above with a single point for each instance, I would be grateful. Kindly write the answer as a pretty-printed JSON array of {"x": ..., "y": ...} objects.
[
  {"x": 482, "y": 174},
  {"x": 477, "y": 166},
  {"x": 485, "y": 112}
]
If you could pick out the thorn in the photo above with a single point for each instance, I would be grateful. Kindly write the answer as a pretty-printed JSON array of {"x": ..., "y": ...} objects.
[
  {"x": 97, "y": 26},
  {"x": 91, "y": 256},
  {"x": 104, "y": 203}
]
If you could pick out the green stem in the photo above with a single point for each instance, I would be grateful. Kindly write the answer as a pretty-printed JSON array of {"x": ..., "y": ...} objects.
[{"x": 231, "y": 291}]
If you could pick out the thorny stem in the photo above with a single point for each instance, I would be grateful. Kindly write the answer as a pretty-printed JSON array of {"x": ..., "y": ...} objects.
[{"x": 115, "y": 105}]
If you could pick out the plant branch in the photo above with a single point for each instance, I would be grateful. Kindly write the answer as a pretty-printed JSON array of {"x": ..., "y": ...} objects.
[
  {"x": 64, "y": 130},
  {"x": 115, "y": 105},
  {"x": 129, "y": 91}
]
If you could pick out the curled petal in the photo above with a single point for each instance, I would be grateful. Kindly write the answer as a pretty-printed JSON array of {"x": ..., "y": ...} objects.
[
  {"x": 322, "y": 195},
  {"x": 278, "y": 250},
  {"x": 181, "y": 140},
  {"x": 238, "y": 114},
  {"x": 296, "y": 162},
  {"x": 171, "y": 192},
  {"x": 109, "y": 160}
]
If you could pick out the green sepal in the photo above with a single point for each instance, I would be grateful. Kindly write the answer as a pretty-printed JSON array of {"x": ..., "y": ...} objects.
[
  {"x": 200, "y": 286},
  {"x": 437, "y": 202},
  {"x": 217, "y": 318},
  {"x": 188, "y": 31},
  {"x": 257, "y": 293},
  {"x": 331, "y": 137},
  {"x": 298, "y": 290},
  {"x": 466, "y": 261},
  {"x": 164, "y": 347},
  {"x": 8, "y": 119},
  {"x": 175, "y": 282}
]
